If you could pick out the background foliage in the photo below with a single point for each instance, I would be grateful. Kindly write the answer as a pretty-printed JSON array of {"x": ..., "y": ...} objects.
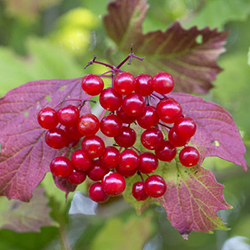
[{"x": 55, "y": 39}]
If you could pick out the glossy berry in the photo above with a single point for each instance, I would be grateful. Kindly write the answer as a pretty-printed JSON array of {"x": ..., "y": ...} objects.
[
  {"x": 88, "y": 125},
  {"x": 129, "y": 159},
  {"x": 148, "y": 163},
  {"x": 47, "y": 118},
  {"x": 81, "y": 161},
  {"x": 93, "y": 146},
  {"x": 97, "y": 171},
  {"x": 110, "y": 99},
  {"x": 143, "y": 85},
  {"x": 73, "y": 133},
  {"x": 61, "y": 166},
  {"x": 189, "y": 156},
  {"x": 92, "y": 84},
  {"x": 68, "y": 116},
  {"x": 151, "y": 138},
  {"x": 176, "y": 139},
  {"x": 110, "y": 158},
  {"x": 56, "y": 138},
  {"x": 113, "y": 183},
  {"x": 133, "y": 104},
  {"x": 124, "y": 83},
  {"x": 125, "y": 172},
  {"x": 97, "y": 194},
  {"x": 124, "y": 117},
  {"x": 126, "y": 138},
  {"x": 166, "y": 151},
  {"x": 148, "y": 118},
  {"x": 111, "y": 125},
  {"x": 76, "y": 177},
  {"x": 155, "y": 186},
  {"x": 169, "y": 110},
  {"x": 185, "y": 127},
  {"x": 163, "y": 83},
  {"x": 138, "y": 191}
]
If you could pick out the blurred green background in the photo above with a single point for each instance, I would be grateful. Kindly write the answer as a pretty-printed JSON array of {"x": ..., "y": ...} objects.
[{"x": 49, "y": 39}]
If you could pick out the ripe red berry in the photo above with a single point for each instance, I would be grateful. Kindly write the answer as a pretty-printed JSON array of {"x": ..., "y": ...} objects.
[
  {"x": 143, "y": 85},
  {"x": 92, "y": 84},
  {"x": 110, "y": 99},
  {"x": 113, "y": 184},
  {"x": 124, "y": 83},
  {"x": 125, "y": 172},
  {"x": 138, "y": 191},
  {"x": 111, "y": 125},
  {"x": 133, "y": 104},
  {"x": 81, "y": 161},
  {"x": 68, "y": 116},
  {"x": 148, "y": 163},
  {"x": 96, "y": 193},
  {"x": 185, "y": 127},
  {"x": 176, "y": 139},
  {"x": 61, "y": 166},
  {"x": 73, "y": 133},
  {"x": 110, "y": 158},
  {"x": 189, "y": 156},
  {"x": 124, "y": 117},
  {"x": 47, "y": 118},
  {"x": 97, "y": 171},
  {"x": 166, "y": 151},
  {"x": 88, "y": 124},
  {"x": 76, "y": 177},
  {"x": 148, "y": 118},
  {"x": 126, "y": 138},
  {"x": 94, "y": 146},
  {"x": 56, "y": 138},
  {"x": 151, "y": 138},
  {"x": 129, "y": 159},
  {"x": 163, "y": 83},
  {"x": 155, "y": 186},
  {"x": 169, "y": 110}
]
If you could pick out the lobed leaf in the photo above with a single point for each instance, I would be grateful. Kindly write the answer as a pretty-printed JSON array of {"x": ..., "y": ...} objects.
[
  {"x": 25, "y": 157},
  {"x": 189, "y": 55}
]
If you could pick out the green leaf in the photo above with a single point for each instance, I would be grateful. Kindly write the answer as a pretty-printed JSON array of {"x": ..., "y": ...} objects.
[{"x": 249, "y": 56}]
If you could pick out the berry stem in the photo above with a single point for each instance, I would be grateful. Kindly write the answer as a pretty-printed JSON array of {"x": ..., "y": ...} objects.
[
  {"x": 98, "y": 62},
  {"x": 164, "y": 125},
  {"x": 102, "y": 114},
  {"x": 139, "y": 173}
]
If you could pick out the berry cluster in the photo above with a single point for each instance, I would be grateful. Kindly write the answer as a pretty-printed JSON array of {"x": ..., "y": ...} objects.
[{"x": 127, "y": 101}]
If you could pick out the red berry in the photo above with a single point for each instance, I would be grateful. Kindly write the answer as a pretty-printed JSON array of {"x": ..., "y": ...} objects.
[
  {"x": 76, "y": 177},
  {"x": 61, "y": 166},
  {"x": 92, "y": 84},
  {"x": 126, "y": 138},
  {"x": 125, "y": 172},
  {"x": 113, "y": 184},
  {"x": 111, "y": 125},
  {"x": 163, "y": 83},
  {"x": 56, "y": 138},
  {"x": 138, "y": 191},
  {"x": 68, "y": 116},
  {"x": 124, "y": 117},
  {"x": 110, "y": 99},
  {"x": 148, "y": 163},
  {"x": 124, "y": 83},
  {"x": 143, "y": 85},
  {"x": 97, "y": 171},
  {"x": 148, "y": 118},
  {"x": 166, "y": 151},
  {"x": 155, "y": 186},
  {"x": 94, "y": 146},
  {"x": 73, "y": 133},
  {"x": 169, "y": 110},
  {"x": 189, "y": 156},
  {"x": 96, "y": 193},
  {"x": 47, "y": 118},
  {"x": 81, "y": 161},
  {"x": 88, "y": 124},
  {"x": 133, "y": 104},
  {"x": 110, "y": 157},
  {"x": 185, "y": 127},
  {"x": 151, "y": 138},
  {"x": 129, "y": 159},
  {"x": 176, "y": 139}
]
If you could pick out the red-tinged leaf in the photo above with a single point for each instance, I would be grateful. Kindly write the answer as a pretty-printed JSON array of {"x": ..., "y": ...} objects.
[
  {"x": 22, "y": 217},
  {"x": 192, "y": 199},
  {"x": 193, "y": 64},
  {"x": 25, "y": 157}
]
